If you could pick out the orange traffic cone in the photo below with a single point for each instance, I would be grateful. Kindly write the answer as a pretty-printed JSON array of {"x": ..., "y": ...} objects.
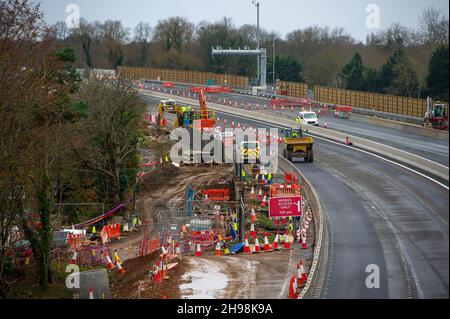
[
  {"x": 198, "y": 251},
  {"x": 326, "y": 125},
  {"x": 253, "y": 215},
  {"x": 252, "y": 194},
  {"x": 119, "y": 266},
  {"x": 74, "y": 258},
  {"x": 287, "y": 241},
  {"x": 246, "y": 246},
  {"x": 303, "y": 272},
  {"x": 163, "y": 250},
  {"x": 266, "y": 243},
  {"x": 304, "y": 244},
  {"x": 177, "y": 249},
  {"x": 299, "y": 277},
  {"x": 218, "y": 251},
  {"x": 275, "y": 241},
  {"x": 257, "y": 247},
  {"x": 157, "y": 278},
  {"x": 260, "y": 197},
  {"x": 110, "y": 264},
  {"x": 91, "y": 293},
  {"x": 252, "y": 230},
  {"x": 264, "y": 202},
  {"x": 293, "y": 288}
]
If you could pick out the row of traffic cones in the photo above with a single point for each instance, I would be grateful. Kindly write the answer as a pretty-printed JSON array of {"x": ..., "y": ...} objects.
[{"x": 298, "y": 281}]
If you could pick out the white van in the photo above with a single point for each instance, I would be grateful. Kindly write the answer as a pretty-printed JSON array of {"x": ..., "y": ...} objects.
[{"x": 308, "y": 117}]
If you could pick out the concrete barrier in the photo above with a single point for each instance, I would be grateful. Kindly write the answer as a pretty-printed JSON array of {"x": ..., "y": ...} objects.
[
  {"x": 407, "y": 158},
  {"x": 402, "y": 126},
  {"x": 316, "y": 277}
]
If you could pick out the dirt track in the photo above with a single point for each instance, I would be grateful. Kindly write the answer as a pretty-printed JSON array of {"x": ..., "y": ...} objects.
[{"x": 256, "y": 276}]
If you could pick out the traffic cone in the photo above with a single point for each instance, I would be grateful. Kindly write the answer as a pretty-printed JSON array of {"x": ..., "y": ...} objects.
[
  {"x": 264, "y": 202},
  {"x": 287, "y": 241},
  {"x": 218, "y": 251},
  {"x": 266, "y": 243},
  {"x": 163, "y": 250},
  {"x": 257, "y": 247},
  {"x": 292, "y": 288},
  {"x": 74, "y": 258},
  {"x": 91, "y": 294},
  {"x": 253, "y": 215},
  {"x": 275, "y": 241},
  {"x": 246, "y": 245},
  {"x": 198, "y": 251},
  {"x": 326, "y": 125},
  {"x": 304, "y": 244},
  {"x": 177, "y": 249},
  {"x": 299, "y": 277},
  {"x": 252, "y": 230},
  {"x": 252, "y": 194},
  {"x": 120, "y": 268},
  {"x": 260, "y": 197},
  {"x": 110, "y": 264},
  {"x": 158, "y": 272},
  {"x": 303, "y": 272}
]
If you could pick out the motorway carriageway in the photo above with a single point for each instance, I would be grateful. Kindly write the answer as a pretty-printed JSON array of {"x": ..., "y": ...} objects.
[
  {"x": 378, "y": 214},
  {"x": 427, "y": 147}
]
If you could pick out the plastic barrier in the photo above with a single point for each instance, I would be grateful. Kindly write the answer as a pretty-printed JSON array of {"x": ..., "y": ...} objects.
[
  {"x": 113, "y": 231},
  {"x": 277, "y": 190},
  {"x": 75, "y": 240},
  {"x": 211, "y": 89},
  {"x": 217, "y": 194},
  {"x": 168, "y": 84},
  {"x": 147, "y": 246}
]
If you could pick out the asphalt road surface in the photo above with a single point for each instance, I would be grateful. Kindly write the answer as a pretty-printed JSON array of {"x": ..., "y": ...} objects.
[
  {"x": 427, "y": 147},
  {"x": 380, "y": 215}
]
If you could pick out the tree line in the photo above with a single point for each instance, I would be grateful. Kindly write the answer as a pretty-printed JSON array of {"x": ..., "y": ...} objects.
[
  {"x": 63, "y": 140},
  {"x": 396, "y": 59}
]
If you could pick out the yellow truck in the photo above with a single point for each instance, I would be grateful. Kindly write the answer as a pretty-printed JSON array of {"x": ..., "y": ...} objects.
[{"x": 298, "y": 146}]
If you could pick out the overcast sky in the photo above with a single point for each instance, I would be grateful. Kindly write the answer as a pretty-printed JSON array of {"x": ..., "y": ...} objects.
[{"x": 281, "y": 16}]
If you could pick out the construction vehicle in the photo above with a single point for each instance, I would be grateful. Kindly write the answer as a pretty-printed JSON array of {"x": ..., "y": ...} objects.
[
  {"x": 207, "y": 120},
  {"x": 250, "y": 151},
  {"x": 297, "y": 145},
  {"x": 436, "y": 116},
  {"x": 184, "y": 114}
]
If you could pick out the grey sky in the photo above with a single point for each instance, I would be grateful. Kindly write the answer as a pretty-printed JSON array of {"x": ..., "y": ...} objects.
[{"x": 281, "y": 16}]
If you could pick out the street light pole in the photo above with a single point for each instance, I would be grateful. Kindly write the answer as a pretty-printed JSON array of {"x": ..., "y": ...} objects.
[
  {"x": 256, "y": 3},
  {"x": 273, "y": 64}
]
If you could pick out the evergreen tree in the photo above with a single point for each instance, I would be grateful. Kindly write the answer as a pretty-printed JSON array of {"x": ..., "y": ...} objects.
[
  {"x": 437, "y": 80},
  {"x": 352, "y": 73}
]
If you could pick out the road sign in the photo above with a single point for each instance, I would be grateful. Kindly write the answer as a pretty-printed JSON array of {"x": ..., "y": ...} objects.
[{"x": 285, "y": 207}]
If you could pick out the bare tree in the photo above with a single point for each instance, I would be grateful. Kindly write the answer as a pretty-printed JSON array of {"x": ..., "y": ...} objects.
[
  {"x": 114, "y": 36},
  {"x": 61, "y": 30},
  {"x": 434, "y": 27},
  {"x": 142, "y": 36},
  {"x": 174, "y": 32}
]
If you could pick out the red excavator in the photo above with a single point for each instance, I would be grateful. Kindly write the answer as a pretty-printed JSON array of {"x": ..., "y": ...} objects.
[
  {"x": 207, "y": 119},
  {"x": 436, "y": 116}
]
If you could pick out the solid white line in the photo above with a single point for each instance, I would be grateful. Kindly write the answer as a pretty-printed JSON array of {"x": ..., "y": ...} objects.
[{"x": 353, "y": 148}]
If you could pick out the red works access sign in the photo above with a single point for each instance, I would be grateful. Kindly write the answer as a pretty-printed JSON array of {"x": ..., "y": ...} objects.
[{"x": 285, "y": 207}]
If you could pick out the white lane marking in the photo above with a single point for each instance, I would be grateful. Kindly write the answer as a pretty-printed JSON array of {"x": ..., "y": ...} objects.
[
  {"x": 357, "y": 149},
  {"x": 353, "y": 148}
]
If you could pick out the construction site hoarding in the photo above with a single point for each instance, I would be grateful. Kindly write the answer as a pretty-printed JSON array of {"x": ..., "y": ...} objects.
[
  {"x": 294, "y": 89},
  {"x": 372, "y": 101},
  {"x": 192, "y": 77}
]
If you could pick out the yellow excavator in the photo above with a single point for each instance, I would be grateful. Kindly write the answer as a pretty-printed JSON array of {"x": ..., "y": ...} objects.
[{"x": 184, "y": 114}]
